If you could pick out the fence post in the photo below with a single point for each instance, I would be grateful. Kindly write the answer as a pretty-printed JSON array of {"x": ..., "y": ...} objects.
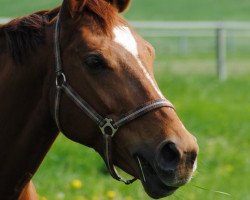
[
  {"x": 221, "y": 53},
  {"x": 183, "y": 45}
]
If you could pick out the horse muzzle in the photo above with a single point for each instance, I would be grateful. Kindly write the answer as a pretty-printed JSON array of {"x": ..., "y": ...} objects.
[{"x": 163, "y": 171}]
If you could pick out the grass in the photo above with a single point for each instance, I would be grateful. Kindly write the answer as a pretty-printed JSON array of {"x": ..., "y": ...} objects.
[
  {"x": 189, "y": 10},
  {"x": 216, "y": 112},
  {"x": 16, "y": 8},
  {"x": 150, "y": 10}
]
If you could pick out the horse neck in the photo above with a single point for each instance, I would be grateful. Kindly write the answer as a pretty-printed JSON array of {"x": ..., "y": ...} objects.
[{"x": 27, "y": 128}]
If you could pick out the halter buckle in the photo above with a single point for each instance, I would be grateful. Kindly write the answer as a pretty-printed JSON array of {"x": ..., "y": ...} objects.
[
  {"x": 60, "y": 80},
  {"x": 107, "y": 127}
]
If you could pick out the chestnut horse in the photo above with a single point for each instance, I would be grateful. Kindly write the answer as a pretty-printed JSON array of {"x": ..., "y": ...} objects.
[{"x": 82, "y": 69}]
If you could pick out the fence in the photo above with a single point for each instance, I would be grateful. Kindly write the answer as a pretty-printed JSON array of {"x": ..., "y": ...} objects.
[
  {"x": 223, "y": 32},
  {"x": 4, "y": 19}
]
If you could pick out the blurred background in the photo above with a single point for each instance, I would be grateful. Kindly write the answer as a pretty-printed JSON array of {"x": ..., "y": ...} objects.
[{"x": 203, "y": 66}]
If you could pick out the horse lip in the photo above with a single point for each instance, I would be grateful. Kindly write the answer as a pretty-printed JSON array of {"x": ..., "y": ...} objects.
[{"x": 148, "y": 174}]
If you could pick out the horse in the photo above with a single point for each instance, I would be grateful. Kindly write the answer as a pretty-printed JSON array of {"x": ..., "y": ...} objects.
[{"x": 81, "y": 69}]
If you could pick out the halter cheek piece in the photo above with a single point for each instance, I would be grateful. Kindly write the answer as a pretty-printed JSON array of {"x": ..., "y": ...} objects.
[{"x": 107, "y": 126}]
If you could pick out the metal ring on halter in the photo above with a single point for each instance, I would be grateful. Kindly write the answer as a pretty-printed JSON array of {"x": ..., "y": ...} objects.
[
  {"x": 60, "y": 80},
  {"x": 107, "y": 127}
]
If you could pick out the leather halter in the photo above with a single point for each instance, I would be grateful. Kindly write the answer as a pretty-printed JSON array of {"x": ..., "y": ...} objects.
[{"x": 107, "y": 126}]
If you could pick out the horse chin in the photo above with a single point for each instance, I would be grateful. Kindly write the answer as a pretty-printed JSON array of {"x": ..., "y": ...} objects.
[{"x": 151, "y": 182}]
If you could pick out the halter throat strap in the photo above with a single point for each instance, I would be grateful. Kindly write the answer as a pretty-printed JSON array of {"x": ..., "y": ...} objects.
[{"x": 108, "y": 127}]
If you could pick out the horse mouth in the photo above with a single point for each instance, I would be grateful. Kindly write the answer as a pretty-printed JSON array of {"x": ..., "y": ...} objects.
[{"x": 151, "y": 182}]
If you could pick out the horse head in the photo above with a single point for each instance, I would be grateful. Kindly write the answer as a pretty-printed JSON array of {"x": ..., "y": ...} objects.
[{"x": 110, "y": 67}]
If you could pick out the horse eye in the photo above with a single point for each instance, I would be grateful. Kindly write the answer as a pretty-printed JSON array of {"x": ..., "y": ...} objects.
[{"x": 95, "y": 63}]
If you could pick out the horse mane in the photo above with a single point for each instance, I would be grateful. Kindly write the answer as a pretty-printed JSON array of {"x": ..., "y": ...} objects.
[{"x": 24, "y": 35}]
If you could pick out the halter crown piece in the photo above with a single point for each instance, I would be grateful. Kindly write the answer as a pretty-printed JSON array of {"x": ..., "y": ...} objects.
[{"x": 107, "y": 126}]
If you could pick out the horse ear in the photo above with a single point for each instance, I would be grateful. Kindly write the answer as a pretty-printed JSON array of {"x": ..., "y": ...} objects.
[
  {"x": 73, "y": 7},
  {"x": 121, "y": 5}
]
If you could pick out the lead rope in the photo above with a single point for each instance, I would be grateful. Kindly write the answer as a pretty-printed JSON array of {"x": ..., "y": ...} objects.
[{"x": 107, "y": 126}]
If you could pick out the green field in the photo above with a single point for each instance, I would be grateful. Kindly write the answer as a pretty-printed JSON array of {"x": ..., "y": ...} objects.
[
  {"x": 151, "y": 9},
  {"x": 218, "y": 113}
]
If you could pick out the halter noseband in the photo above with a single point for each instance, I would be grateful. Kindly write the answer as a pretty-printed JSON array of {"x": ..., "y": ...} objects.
[{"x": 107, "y": 126}]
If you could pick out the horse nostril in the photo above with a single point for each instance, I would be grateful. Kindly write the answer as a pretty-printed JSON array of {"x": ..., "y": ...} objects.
[
  {"x": 168, "y": 157},
  {"x": 192, "y": 158}
]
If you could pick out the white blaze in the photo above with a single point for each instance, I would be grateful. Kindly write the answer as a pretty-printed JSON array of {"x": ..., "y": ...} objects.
[{"x": 125, "y": 38}]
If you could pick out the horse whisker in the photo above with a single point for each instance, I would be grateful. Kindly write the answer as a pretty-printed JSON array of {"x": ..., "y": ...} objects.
[{"x": 214, "y": 191}]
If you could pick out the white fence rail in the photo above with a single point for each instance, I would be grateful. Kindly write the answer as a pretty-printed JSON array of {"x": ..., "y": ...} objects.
[
  {"x": 218, "y": 30},
  {"x": 4, "y": 19},
  {"x": 191, "y": 25}
]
